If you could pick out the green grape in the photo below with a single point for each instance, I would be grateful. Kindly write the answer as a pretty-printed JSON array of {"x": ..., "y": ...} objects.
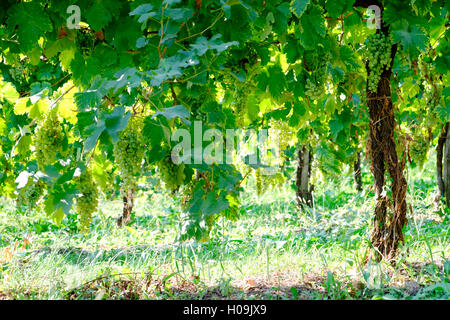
[
  {"x": 314, "y": 91},
  {"x": 19, "y": 74},
  {"x": 171, "y": 173},
  {"x": 266, "y": 182},
  {"x": 418, "y": 150},
  {"x": 186, "y": 195},
  {"x": 426, "y": 68},
  {"x": 378, "y": 58},
  {"x": 432, "y": 89},
  {"x": 88, "y": 201},
  {"x": 85, "y": 41},
  {"x": 129, "y": 152},
  {"x": 284, "y": 132},
  {"x": 324, "y": 60},
  {"x": 49, "y": 139},
  {"x": 241, "y": 101},
  {"x": 315, "y": 86}
]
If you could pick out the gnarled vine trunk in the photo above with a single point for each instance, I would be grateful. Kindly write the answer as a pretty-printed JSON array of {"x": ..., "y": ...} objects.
[
  {"x": 447, "y": 168},
  {"x": 390, "y": 211},
  {"x": 304, "y": 188},
  {"x": 440, "y": 163},
  {"x": 357, "y": 172},
  {"x": 128, "y": 203}
]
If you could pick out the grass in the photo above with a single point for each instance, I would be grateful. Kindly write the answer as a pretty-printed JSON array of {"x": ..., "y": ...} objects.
[{"x": 273, "y": 251}]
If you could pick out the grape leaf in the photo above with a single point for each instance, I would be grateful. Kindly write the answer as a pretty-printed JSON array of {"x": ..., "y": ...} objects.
[
  {"x": 31, "y": 22},
  {"x": 299, "y": 7}
]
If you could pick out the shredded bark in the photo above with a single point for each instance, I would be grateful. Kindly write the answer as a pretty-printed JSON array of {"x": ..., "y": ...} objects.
[
  {"x": 304, "y": 189},
  {"x": 390, "y": 213},
  {"x": 128, "y": 203},
  {"x": 357, "y": 172},
  {"x": 439, "y": 160}
]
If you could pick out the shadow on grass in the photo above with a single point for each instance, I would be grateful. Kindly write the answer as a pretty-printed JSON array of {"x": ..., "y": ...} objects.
[{"x": 176, "y": 288}]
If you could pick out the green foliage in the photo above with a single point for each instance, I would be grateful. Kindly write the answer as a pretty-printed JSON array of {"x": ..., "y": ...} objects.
[
  {"x": 31, "y": 193},
  {"x": 137, "y": 71}
]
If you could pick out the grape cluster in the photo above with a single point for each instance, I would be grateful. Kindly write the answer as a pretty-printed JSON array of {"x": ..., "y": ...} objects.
[
  {"x": 49, "y": 139},
  {"x": 284, "y": 132},
  {"x": 85, "y": 41},
  {"x": 314, "y": 91},
  {"x": 315, "y": 86},
  {"x": 418, "y": 150},
  {"x": 379, "y": 58},
  {"x": 171, "y": 173},
  {"x": 88, "y": 201},
  {"x": 32, "y": 194},
  {"x": 265, "y": 182},
  {"x": 19, "y": 75},
  {"x": 311, "y": 60},
  {"x": 426, "y": 68},
  {"x": 431, "y": 87},
  {"x": 129, "y": 152},
  {"x": 322, "y": 67},
  {"x": 187, "y": 193},
  {"x": 241, "y": 102}
]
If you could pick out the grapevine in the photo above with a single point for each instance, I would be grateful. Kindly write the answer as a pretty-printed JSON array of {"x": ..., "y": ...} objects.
[{"x": 311, "y": 70}]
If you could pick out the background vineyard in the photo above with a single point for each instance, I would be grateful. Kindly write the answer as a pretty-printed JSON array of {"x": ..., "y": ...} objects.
[{"x": 87, "y": 174}]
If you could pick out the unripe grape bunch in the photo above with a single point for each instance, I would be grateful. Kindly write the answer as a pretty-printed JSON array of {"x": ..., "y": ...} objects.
[
  {"x": 88, "y": 201},
  {"x": 85, "y": 41},
  {"x": 315, "y": 87},
  {"x": 241, "y": 103},
  {"x": 418, "y": 150},
  {"x": 314, "y": 91},
  {"x": 266, "y": 182},
  {"x": 49, "y": 139},
  {"x": 129, "y": 152},
  {"x": 283, "y": 133},
  {"x": 379, "y": 58},
  {"x": 172, "y": 174}
]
